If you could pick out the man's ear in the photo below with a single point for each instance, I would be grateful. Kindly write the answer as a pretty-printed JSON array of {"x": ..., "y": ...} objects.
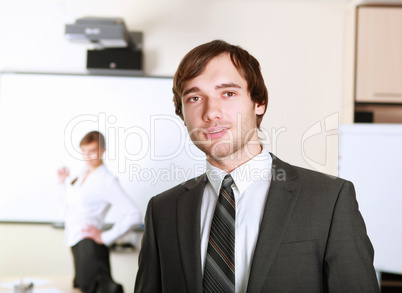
[
  {"x": 184, "y": 120},
  {"x": 259, "y": 108}
]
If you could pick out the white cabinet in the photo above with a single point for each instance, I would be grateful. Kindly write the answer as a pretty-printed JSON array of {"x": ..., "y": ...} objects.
[{"x": 379, "y": 54}]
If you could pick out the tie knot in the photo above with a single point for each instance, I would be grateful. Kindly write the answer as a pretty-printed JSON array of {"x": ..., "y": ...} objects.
[{"x": 227, "y": 181}]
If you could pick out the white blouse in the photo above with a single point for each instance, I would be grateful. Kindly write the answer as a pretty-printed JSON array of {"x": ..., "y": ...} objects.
[{"x": 87, "y": 203}]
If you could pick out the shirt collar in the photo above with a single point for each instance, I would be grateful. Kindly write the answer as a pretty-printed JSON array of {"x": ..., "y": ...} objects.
[{"x": 258, "y": 168}]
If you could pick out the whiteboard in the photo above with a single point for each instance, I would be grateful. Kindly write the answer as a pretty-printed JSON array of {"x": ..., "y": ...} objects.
[
  {"x": 43, "y": 117},
  {"x": 371, "y": 157}
]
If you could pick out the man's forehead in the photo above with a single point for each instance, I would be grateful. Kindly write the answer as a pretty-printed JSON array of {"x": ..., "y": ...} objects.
[{"x": 227, "y": 76}]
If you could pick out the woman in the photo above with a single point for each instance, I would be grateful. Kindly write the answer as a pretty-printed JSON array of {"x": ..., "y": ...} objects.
[{"x": 88, "y": 199}]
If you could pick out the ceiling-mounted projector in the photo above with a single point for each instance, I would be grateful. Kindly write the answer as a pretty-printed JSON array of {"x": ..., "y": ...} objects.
[
  {"x": 99, "y": 31},
  {"x": 117, "y": 51}
]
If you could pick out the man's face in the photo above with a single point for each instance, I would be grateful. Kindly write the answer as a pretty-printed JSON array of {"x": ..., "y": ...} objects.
[
  {"x": 92, "y": 154},
  {"x": 218, "y": 112}
]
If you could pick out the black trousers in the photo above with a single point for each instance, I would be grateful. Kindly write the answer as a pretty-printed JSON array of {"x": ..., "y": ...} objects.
[{"x": 90, "y": 261}]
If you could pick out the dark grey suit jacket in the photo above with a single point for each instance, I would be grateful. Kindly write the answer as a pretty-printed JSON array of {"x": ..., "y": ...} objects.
[{"x": 312, "y": 238}]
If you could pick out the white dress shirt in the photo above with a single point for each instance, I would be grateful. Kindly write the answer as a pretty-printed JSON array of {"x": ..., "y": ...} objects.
[
  {"x": 87, "y": 202},
  {"x": 250, "y": 188}
]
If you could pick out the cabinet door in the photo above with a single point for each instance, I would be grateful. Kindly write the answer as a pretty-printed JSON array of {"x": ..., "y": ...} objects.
[{"x": 379, "y": 54}]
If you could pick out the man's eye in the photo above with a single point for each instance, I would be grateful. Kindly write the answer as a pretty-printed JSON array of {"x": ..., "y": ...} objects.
[
  {"x": 229, "y": 94},
  {"x": 194, "y": 99}
]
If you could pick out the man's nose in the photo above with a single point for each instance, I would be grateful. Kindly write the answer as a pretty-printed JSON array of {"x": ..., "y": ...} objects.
[{"x": 212, "y": 109}]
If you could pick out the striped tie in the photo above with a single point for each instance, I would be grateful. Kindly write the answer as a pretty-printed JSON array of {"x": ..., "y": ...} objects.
[{"x": 219, "y": 272}]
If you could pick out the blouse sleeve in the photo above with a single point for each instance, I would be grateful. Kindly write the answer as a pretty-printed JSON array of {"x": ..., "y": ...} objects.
[
  {"x": 116, "y": 196},
  {"x": 62, "y": 190}
]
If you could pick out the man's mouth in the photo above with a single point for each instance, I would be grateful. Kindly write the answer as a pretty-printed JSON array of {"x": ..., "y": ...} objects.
[{"x": 216, "y": 132}]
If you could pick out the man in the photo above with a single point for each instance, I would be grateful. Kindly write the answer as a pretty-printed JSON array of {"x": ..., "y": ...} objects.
[{"x": 252, "y": 223}]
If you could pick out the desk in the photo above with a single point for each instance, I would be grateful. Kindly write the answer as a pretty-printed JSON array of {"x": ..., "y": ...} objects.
[
  {"x": 51, "y": 259},
  {"x": 45, "y": 284}
]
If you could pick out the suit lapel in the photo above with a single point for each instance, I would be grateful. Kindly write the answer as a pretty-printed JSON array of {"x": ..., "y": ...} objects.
[
  {"x": 281, "y": 200},
  {"x": 188, "y": 229}
]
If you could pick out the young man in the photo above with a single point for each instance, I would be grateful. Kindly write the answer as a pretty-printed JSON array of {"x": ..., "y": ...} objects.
[
  {"x": 252, "y": 223},
  {"x": 88, "y": 198}
]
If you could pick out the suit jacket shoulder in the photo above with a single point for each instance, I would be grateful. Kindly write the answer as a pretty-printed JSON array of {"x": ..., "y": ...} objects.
[
  {"x": 172, "y": 193},
  {"x": 316, "y": 183},
  {"x": 312, "y": 236},
  {"x": 170, "y": 258}
]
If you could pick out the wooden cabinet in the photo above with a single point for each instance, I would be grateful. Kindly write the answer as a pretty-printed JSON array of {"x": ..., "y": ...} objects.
[{"x": 379, "y": 54}]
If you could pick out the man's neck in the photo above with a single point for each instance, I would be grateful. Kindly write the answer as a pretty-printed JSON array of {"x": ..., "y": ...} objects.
[{"x": 235, "y": 160}]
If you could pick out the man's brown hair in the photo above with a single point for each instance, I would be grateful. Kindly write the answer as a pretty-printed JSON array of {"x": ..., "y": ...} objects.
[
  {"x": 195, "y": 61},
  {"x": 94, "y": 136}
]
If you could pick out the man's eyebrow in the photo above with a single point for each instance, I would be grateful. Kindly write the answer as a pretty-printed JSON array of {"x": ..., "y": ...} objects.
[
  {"x": 191, "y": 90},
  {"x": 227, "y": 85},
  {"x": 217, "y": 87}
]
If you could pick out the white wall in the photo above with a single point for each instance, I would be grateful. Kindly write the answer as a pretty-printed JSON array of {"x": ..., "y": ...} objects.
[{"x": 298, "y": 43}]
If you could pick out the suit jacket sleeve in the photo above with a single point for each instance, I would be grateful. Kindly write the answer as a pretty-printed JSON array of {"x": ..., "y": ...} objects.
[
  {"x": 148, "y": 276},
  {"x": 348, "y": 263}
]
